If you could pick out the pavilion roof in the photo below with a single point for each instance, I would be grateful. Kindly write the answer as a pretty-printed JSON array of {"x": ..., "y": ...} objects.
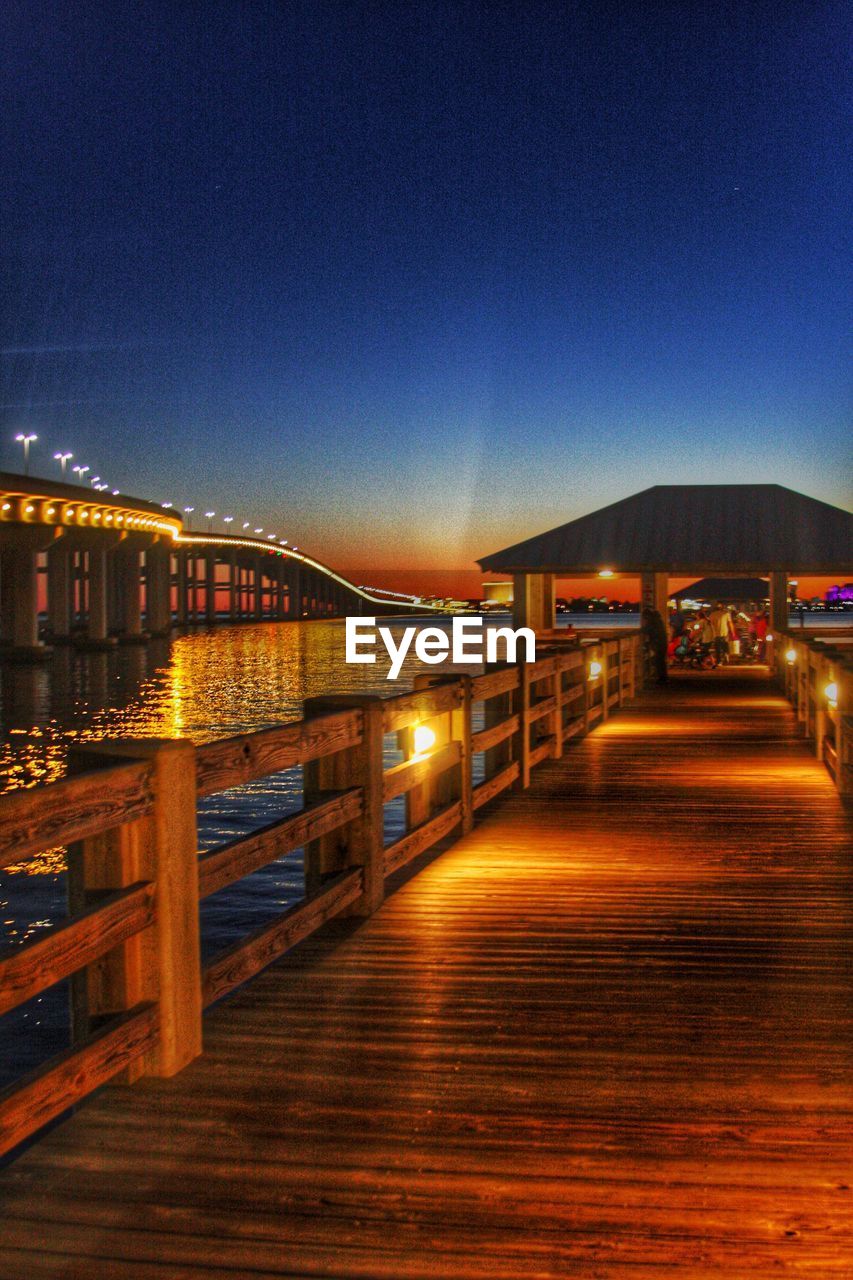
[{"x": 695, "y": 528}]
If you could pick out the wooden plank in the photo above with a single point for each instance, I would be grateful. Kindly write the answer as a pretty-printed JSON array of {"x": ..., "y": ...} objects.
[
  {"x": 424, "y": 704},
  {"x": 51, "y": 1089},
  {"x": 231, "y": 762},
  {"x": 36, "y": 818},
  {"x": 542, "y": 751},
  {"x": 544, "y": 707},
  {"x": 242, "y": 961},
  {"x": 487, "y": 738},
  {"x": 427, "y": 834},
  {"x": 410, "y": 773},
  {"x": 49, "y": 957},
  {"x": 221, "y": 867},
  {"x": 494, "y": 683},
  {"x": 493, "y": 786},
  {"x": 570, "y": 1046},
  {"x": 543, "y": 668},
  {"x": 572, "y": 693}
]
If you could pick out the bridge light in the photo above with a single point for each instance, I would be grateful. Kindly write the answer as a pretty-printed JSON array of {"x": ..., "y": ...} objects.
[
  {"x": 424, "y": 739},
  {"x": 26, "y": 439},
  {"x": 605, "y": 573},
  {"x": 166, "y": 505},
  {"x": 271, "y": 537},
  {"x": 831, "y": 693},
  {"x": 595, "y": 670},
  {"x": 29, "y": 509},
  {"x": 7, "y": 506},
  {"x": 63, "y": 459}
]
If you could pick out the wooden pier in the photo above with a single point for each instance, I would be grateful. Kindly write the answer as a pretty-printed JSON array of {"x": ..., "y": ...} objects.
[{"x": 604, "y": 1033}]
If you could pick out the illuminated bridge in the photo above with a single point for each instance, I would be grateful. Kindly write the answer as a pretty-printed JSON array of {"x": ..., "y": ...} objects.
[{"x": 118, "y": 569}]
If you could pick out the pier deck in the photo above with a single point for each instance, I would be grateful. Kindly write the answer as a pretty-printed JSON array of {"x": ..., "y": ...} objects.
[{"x": 602, "y": 1036}]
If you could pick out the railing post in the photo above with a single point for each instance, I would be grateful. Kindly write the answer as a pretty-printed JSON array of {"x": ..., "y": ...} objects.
[
  {"x": 495, "y": 711},
  {"x": 361, "y": 842},
  {"x": 452, "y": 784},
  {"x": 843, "y": 726},
  {"x": 522, "y": 706},
  {"x": 163, "y": 963}
]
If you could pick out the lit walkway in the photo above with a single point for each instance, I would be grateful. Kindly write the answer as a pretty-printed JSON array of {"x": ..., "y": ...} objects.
[{"x": 604, "y": 1036}]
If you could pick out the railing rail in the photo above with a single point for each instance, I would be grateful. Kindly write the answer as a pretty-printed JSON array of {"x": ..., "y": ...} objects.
[
  {"x": 127, "y": 814},
  {"x": 817, "y": 677}
]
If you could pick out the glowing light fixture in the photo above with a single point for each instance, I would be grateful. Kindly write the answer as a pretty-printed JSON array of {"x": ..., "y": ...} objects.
[
  {"x": 768, "y": 636},
  {"x": 26, "y": 440},
  {"x": 831, "y": 693},
  {"x": 62, "y": 459},
  {"x": 605, "y": 573},
  {"x": 595, "y": 670},
  {"x": 424, "y": 738},
  {"x": 791, "y": 657}
]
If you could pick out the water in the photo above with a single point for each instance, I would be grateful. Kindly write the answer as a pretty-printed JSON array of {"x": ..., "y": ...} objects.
[{"x": 202, "y": 686}]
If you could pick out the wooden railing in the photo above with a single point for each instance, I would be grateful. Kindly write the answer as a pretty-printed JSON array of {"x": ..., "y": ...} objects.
[
  {"x": 818, "y": 680},
  {"x": 127, "y": 815}
]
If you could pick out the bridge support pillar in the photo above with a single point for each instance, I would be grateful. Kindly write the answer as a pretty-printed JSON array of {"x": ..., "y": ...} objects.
[
  {"x": 59, "y": 591},
  {"x": 128, "y": 572},
  {"x": 181, "y": 588},
  {"x": 232, "y": 586},
  {"x": 96, "y": 622},
  {"x": 534, "y": 601},
  {"x": 19, "y": 602},
  {"x": 210, "y": 587},
  {"x": 258, "y": 590},
  {"x": 158, "y": 605}
]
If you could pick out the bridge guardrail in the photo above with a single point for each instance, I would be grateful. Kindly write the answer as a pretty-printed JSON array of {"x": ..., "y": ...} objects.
[{"x": 127, "y": 814}]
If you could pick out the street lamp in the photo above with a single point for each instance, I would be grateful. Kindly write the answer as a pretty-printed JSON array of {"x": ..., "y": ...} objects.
[
  {"x": 227, "y": 520},
  {"x": 26, "y": 440},
  {"x": 80, "y": 472},
  {"x": 62, "y": 459},
  {"x": 208, "y": 515},
  {"x": 246, "y": 524},
  {"x": 94, "y": 481},
  {"x": 188, "y": 512}
]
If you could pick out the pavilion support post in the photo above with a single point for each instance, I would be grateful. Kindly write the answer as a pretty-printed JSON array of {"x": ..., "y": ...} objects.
[
  {"x": 654, "y": 592},
  {"x": 778, "y": 602},
  {"x": 534, "y": 601}
]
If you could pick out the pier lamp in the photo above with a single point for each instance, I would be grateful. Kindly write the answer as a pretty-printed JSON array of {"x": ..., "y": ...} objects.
[
  {"x": 791, "y": 657},
  {"x": 208, "y": 515},
  {"x": 26, "y": 439},
  {"x": 424, "y": 739},
  {"x": 595, "y": 670},
  {"x": 605, "y": 573},
  {"x": 63, "y": 459},
  {"x": 831, "y": 694}
]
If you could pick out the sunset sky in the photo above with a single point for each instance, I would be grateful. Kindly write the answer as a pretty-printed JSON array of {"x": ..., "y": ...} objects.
[{"x": 408, "y": 283}]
